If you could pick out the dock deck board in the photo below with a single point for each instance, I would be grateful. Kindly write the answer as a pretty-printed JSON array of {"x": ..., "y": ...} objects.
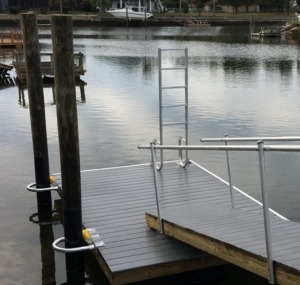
[
  {"x": 114, "y": 201},
  {"x": 206, "y": 220}
]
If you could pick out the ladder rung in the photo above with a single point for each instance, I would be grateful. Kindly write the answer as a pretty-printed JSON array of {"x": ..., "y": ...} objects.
[
  {"x": 171, "y": 106},
  {"x": 174, "y": 87},
  {"x": 172, "y": 124},
  {"x": 172, "y": 49},
  {"x": 173, "y": 68}
]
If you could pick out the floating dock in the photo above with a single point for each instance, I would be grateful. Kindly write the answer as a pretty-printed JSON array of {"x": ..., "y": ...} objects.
[
  {"x": 114, "y": 202},
  {"x": 196, "y": 210}
]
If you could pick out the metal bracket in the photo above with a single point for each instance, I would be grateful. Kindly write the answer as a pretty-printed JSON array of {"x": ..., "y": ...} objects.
[
  {"x": 32, "y": 188},
  {"x": 70, "y": 250},
  {"x": 94, "y": 241}
]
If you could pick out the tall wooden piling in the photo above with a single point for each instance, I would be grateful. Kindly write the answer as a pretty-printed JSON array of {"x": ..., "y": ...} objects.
[
  {"x": 63, "y": 55},
  {"x": 37, "y": 112}
]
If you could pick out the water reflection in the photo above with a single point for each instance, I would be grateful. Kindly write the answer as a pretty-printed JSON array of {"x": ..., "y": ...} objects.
[
  {"x": 244, "y": 65},
  {"x": 48, "y": 83},
  {"x": 236, "y": 86},
  {"x": 45, "y": 221}
]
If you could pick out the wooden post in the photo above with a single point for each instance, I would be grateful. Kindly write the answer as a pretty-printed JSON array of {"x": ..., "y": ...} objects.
[
  {"x": 37, "y": 112},
  {"x": 63, "y": 55}
]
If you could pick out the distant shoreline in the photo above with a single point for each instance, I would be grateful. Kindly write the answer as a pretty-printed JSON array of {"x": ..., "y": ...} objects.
[{"x": 158, "y": 21}]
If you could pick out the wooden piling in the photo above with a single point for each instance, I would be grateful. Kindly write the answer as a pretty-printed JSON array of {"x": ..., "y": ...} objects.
[
  {"x": 37, "y": 112},
  {"x": 63, "y": 56}
]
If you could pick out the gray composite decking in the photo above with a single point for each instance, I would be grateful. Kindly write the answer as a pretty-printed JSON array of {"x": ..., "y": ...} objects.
[
  {"x": 196, "y": 209},
  {"x": 114, "y": 201},
  {"x": 203, "y": 217}
]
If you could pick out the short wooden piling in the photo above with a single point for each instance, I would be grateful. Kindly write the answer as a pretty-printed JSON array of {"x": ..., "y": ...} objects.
[
  {"x": 37, "y": 112},
  {"x": 63, "y": 56}
]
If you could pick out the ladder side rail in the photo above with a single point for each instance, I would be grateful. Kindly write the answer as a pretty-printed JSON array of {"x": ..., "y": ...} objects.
[
  {"x": 186, "y": 108},
  {"x": 161, "y": 141}
]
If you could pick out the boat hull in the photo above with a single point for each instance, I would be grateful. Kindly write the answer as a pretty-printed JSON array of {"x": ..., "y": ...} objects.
[{"x": 130, "y": 14}]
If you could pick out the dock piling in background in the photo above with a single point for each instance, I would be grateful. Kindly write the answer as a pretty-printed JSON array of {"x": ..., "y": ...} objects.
[
  {"x": 37, "y": 112},
  {"x": 63, "y": 56}
]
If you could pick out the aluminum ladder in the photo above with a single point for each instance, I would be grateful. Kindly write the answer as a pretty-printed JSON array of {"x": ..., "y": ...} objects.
[{"x": 162, "y": 106}]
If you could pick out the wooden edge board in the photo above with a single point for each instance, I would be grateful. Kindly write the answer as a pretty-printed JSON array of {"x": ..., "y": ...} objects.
[
  {"x": 105, "y": 268},
  {"x": 156, "y": 270},
  {"x": 284, "y": 275},
  {"x": 164, "y": 269}
]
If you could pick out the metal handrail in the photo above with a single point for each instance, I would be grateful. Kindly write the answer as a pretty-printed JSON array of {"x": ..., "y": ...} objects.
[
  {"x": 260, "y": 148},
  {"x": 229, "y": 176},
  {"x": 154, "y": 167},
  {"x": 227, "y": 139},
  {"x": 263, "y": 179},
  {"x": 284, "y": 148},
  {"x": 240, "y": 139}
]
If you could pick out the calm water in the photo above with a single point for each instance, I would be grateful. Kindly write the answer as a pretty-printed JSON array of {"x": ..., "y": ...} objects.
[{"x": 236, "y": 87}]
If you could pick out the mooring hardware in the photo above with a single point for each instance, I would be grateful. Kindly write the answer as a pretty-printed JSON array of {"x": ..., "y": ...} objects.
[{"x": 90, "y": 236}]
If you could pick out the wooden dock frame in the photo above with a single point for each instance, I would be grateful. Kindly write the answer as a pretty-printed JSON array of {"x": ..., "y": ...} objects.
[
  {"x": 48, "y": 82},
  {"x": 237, "y": 256},
  {"x": 46, "y": 65},
  {"x": 11, "y": 40},
  {"x": 47, "y": 74}
]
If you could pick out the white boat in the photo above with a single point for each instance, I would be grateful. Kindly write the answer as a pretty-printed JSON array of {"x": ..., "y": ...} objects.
[
  {"x": 267, "y": 32},
  {"x": 131, "y": 13}
]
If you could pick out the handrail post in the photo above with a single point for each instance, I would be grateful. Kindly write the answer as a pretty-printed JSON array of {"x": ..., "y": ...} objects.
[
  {"x": 182, "y": 162},
  {"x": 158, "y": 166},
  {"x": 267, "y": 225},
  {"x": 229, "y": 174},
  {"x": 153, "y": 158}
]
